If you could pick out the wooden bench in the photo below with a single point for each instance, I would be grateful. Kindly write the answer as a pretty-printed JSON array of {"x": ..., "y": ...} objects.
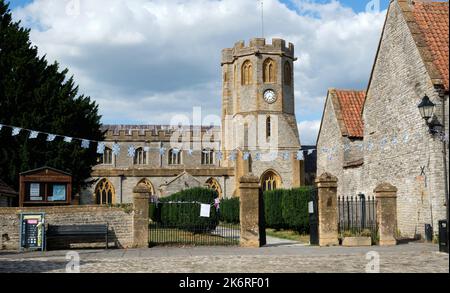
[{"x": 78, "y": 230}]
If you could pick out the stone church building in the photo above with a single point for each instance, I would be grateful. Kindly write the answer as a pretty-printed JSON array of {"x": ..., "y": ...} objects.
[
  {"x": 258, "y": 127},
  {"x": 378, "y": 135}
]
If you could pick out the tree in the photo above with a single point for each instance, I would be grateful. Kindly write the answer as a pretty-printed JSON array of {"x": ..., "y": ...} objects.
[{"x": 37, "y": 95}]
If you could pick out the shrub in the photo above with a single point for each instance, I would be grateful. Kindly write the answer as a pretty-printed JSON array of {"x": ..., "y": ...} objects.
[
  {"x": 229, "y": 210},
  {"x": 178, "y": 210},
  {"x": 295, "y": 209},
  {"x": 273, "y": 209}
]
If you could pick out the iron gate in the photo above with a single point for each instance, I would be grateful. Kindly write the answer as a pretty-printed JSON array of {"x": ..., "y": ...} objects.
[
  {"x": 357, "y": 215},
  {"x": 180, "y": 223},
  {"x": 313, "y": 217}
]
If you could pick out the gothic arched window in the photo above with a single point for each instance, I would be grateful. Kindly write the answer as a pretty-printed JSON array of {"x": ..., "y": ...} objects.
[
  {"x": 268, "y": 127},
  {"x": 104, "y": 192},
  {"x": 247, "y": 73},
  {"x": 270, "y": 181},
  {"x": 174, "y": 157},
  {"x": 106, "y": 158},
  {"x": 207, "y": 157},
  {"x": 287, "y": 73},
  {"x": 214, "y": 184},
  {"x": 140, "y": 157},
  {"x": 269, "y": 71}
]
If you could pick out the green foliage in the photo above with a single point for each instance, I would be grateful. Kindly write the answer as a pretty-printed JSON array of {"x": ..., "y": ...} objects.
[
  {"x": 273, "y": 209},
  {"x": 37, "y": 95},
  {"x": 287, "y": 209},
  {"x": 177, "y": 210},
  {"x": 229, "y": 210},
  {"x": 294, "y": 208}
]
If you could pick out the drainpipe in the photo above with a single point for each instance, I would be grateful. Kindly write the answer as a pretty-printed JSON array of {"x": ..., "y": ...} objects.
[
  {"x": 444, "y": 152},
  {"x": 120, "y": 188}
]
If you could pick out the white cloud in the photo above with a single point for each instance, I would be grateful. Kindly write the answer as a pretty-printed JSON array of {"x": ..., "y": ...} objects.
[
  {"x": 309, "y": 131},
  {"x": 144, "y": 61}
]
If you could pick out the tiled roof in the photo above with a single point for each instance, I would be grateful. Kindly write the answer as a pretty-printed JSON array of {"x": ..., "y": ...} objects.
[
  {"x": 350, "y": 104},
  {"x": 6, "y": 190},
  {"x": 432, "y": 21}
]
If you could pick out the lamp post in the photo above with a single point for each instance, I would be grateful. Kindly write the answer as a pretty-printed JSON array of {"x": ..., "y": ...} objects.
[{"x": 426, "y": 109}]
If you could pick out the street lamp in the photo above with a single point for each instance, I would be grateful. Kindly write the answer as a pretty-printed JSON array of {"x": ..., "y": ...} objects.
[{"x": 426, "y": 109}]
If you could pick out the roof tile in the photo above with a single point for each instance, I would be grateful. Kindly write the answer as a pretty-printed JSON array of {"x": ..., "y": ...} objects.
[{"x": 351, "y": 103}]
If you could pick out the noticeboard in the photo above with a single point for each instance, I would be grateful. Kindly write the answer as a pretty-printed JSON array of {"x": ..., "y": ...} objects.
[{"x": 32, "y": 231}]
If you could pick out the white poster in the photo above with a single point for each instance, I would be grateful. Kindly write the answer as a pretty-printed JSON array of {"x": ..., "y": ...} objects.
[
  {"x": 34, "y": 190},
  {"x": 205, "y": 210},
  {"x": 311, "y": 207}
]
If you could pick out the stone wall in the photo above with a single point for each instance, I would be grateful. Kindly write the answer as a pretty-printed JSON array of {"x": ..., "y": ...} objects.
[
  {"x": 400, "y": 80},
  {"x": 120, "y": 221}
]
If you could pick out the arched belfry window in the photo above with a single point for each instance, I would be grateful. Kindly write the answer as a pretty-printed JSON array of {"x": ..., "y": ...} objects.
[
  {"x": 207, "y": 157},
  {"x": 247, "y": 73},
  {"x": 270, "y": 181},
  {"x": 287, "y": 73},
  {"x": 104, "y": 192},
  {"x": 269, "y": 71},
  {"x": 268, "y": 127}
]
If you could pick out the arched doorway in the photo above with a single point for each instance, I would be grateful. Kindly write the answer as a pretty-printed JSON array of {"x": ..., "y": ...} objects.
[
  {"x": 214, "y": 184},
  {"x": 105, "y": 192},
  {"x": 146, "y": 182},
  {"x": 270, "y": 180}
]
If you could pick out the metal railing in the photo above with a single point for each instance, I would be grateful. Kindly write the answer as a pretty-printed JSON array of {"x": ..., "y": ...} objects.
[
  {"x": 222, "y": 234},
  {"x": 357, "y": 215}
]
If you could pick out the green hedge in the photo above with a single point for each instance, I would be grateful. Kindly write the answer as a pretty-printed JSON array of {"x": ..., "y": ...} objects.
[
  {"x": 294, "y": 208},
  {"x": 273, "y": 209},
  {"x": 229, "y": 210},
  {"x": 177, "y": 211}
]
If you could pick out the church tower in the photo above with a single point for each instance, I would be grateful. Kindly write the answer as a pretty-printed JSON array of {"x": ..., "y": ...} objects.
[{"x": 258, "y": 110}]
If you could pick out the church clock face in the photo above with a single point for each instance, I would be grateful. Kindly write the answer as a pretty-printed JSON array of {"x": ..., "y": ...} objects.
[{"x": 270, "y": 96}]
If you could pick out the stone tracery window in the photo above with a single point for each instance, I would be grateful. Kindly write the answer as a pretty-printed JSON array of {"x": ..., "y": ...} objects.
[
  {"x": 106, "y": 158},
  {"x": 104, "y": 192},
  {"x": 247, "y": 73},
  {"x": 207, "y": 157},
  {"x": 269, "y": 71},
  {"x": 270, "y": 181},
  {"x": 174, "y": 157},
  {"x": 140, "y": 157},
  {"x": 214, "y": 184},
  {"x": 287, "y": 73}
]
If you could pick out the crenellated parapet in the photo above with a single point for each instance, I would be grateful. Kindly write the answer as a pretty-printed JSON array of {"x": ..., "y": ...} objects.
[
  {"x": 155, "y": 132},
  {"x": 258, "y": 46}
]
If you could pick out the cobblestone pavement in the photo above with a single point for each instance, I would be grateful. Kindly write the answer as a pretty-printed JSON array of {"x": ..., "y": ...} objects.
[{"x": 413, "y": 257}]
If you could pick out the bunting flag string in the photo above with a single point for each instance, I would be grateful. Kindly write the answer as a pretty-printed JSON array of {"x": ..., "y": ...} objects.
[{"x": 384, "y": 144}]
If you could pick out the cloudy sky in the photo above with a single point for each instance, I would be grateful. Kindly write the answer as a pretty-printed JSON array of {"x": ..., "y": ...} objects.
[{"x": 145, "y": 61}]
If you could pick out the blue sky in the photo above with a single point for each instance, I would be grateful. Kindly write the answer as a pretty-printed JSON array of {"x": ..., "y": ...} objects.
[
  {"x": 356, "y": 5},
  {"x": 145, "y": 62}
]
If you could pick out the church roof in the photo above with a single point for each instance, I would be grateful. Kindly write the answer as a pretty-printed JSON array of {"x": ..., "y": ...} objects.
[
  {"x": 432, "y": 19},
  {"x": 348, "y": 106}
]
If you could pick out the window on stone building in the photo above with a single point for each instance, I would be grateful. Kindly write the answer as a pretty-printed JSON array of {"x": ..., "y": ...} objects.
[
  {"x": 268, "y": 127},
  {"x": 140, "y": 157},
  {"x": 107, "y": 156},
  {"x": 174, "y": 157},
  {"x": 247, "y": 73},
  {"x": 214, "y": 184},
  {"x": 104, "y": 192},
  {"x": 207, "y": 157},
  {"x": 270, "y": 181},
  {"x": 146, "y": 182},
  {"x": 269, "y": 71},
  {"x": 287, "y": 73}
]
